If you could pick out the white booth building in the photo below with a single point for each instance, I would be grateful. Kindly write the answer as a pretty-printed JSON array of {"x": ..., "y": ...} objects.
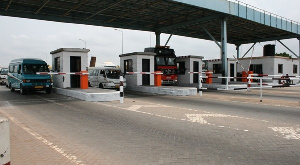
[
  {"x": 68, "y": 60},
  {"x": 138, "y": 62},
  {"x": 186, "y": 64},
  {"x": 271, "y": 65},
  {"x": 215, "y": 66}
]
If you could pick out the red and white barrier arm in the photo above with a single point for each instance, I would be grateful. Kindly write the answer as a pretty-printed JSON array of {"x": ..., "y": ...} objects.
[
  {"x": 265, "y": 75},
  {"x": 142, "y": 73},
  {"x": 199, "y": 72},
  {"x": 61, "y": 73}
]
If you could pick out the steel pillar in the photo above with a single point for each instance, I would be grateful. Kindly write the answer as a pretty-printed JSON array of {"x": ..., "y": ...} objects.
[
  {"x": 224, "y": 49},
  {"x": 237, "y": 51},
  {"x": 157, "y": 34}
]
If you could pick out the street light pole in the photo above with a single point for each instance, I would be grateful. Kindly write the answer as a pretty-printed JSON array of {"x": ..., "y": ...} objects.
[
  {"x": 84, "y": 43},
  {"x": 122, "y": 38}
]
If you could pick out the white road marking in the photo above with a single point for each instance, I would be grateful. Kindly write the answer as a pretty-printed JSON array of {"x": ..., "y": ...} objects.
[
  {"x": 51, "y": 145},
  {"x": 136, "y": 107},
  {"x": 195, "y": 117},
  {"x": 198, "y": 118},
  {"x": 288, "y": 132}
]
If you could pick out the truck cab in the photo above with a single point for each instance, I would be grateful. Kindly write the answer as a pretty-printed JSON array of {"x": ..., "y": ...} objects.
[{"x": 165, "y": 62}]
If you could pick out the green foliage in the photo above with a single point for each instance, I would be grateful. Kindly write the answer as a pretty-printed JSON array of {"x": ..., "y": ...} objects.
[{"x": 284, "y": 54}]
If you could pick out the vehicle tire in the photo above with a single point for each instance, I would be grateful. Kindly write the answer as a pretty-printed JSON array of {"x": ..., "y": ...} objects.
[
  {"x": 48, "y": 90},
  {"x": 12, "y": 89},
  {"x": 22, "y": 90},
  {"x": 100, "y": 85}
]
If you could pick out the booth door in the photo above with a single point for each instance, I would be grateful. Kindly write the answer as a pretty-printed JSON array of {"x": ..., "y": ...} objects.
[
  {"x": 232, "y": 71},
  {"x": 146, "y": 68},
  {"x": 75, "y": 66},
  {"x": 195, "y": 69}
]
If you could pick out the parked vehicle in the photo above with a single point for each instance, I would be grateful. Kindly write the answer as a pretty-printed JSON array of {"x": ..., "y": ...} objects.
[
  {"x": 3, "y": 76},
  {"x": 165, "y": 62},
  {"x": 105, "y": 77},
  {"x": 22, "y": 75}
]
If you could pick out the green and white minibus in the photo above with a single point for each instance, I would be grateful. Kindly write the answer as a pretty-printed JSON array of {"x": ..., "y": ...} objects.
[{"x": 22, "y": 75}]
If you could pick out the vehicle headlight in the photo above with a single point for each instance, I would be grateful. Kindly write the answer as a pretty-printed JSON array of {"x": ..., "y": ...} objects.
[{"x": 26, "y": 81}]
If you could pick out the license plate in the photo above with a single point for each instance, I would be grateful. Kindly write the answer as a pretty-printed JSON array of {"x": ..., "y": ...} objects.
[
  {"x": 38, "y": 87},
  {"x": 168, "y": 77}
]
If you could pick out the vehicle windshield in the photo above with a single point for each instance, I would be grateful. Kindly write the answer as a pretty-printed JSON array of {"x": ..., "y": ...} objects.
[
  {"x": 113, "y": 74},
  {"x": 33, "y": 68},
  {"x": 4, "y": 71},
  {"x": 170, "y": 61},
  {"x": 165, "y": 61}
]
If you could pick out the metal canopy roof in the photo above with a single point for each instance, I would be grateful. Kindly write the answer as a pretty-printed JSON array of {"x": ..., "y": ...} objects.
[{"x": 191, "y": 18}]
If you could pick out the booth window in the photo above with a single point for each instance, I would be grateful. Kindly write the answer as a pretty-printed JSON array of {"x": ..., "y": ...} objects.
[
  {"x": 256, "y": 68},
  {"x": 57, "y": 64},
  {"x": 217, "y": 68},
  {"x": 295, "y": 68},
  {"x": 128, "y": 66},
  {"x": 280, "y": 68},
  {"x": 181, "y": 67}
]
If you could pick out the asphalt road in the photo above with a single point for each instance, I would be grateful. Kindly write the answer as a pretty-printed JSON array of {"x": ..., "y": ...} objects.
[{"x": 218, "y": 128}]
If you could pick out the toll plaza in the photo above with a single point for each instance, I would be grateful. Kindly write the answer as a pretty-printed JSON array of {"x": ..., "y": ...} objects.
[{"x": 222, "y": 128}]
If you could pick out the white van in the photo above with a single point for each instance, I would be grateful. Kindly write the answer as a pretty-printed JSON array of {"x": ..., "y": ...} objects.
[{"x": 105, "y": 77}]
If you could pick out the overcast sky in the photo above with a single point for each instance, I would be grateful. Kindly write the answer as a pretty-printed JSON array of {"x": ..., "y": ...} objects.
[{"x": 33, "y": 38}]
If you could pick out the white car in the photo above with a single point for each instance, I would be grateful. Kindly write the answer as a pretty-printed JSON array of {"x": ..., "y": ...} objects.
[{"x": 3, "y": 76}]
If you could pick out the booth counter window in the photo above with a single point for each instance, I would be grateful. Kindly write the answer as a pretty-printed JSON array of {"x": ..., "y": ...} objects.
[
  {"x": 128, "y": 66},
  {"x": 181, "y": 67},
  {"x": 280, "y": 68},
  {"x": 217, "y": 68},
  {"x": 57, "y": 64},
  {"x": 295, "y": 69}
]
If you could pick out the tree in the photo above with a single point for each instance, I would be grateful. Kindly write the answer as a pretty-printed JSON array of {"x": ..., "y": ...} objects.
[{"x": 284, "y": 54}]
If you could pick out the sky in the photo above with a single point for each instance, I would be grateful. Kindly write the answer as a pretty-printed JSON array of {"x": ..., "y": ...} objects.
[{"x": 26, "y": 38}]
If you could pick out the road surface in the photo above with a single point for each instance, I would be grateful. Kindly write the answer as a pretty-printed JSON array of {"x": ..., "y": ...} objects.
[{"x": 217, "y": 128}]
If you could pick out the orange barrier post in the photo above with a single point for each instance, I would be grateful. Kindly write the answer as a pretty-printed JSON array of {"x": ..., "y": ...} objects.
[
  {"x": 84, "y": 80},
  {"x": 208, "y": 79},
  {"x": 244, "y": 75},
  {"x": 157, "y": 79}
]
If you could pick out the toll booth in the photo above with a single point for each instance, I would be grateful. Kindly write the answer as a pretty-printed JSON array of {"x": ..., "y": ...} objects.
[
  {"x": 138, "y": 62},
  {"x": 68, "y": 60},
  {"x": 186, "y": 64}
]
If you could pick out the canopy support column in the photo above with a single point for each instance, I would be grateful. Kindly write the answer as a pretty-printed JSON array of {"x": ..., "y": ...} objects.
[
  {"x": 224, "y": 49},
  {"x": 237, "y": 51},
  {"x": 157, "y": 34}
]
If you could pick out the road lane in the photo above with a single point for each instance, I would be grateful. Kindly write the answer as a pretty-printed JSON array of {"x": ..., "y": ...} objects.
[{"x": 149, "y": 129}]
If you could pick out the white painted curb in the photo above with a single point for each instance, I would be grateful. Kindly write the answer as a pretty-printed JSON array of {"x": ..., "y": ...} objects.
[{"x": 4, "y": 142}]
